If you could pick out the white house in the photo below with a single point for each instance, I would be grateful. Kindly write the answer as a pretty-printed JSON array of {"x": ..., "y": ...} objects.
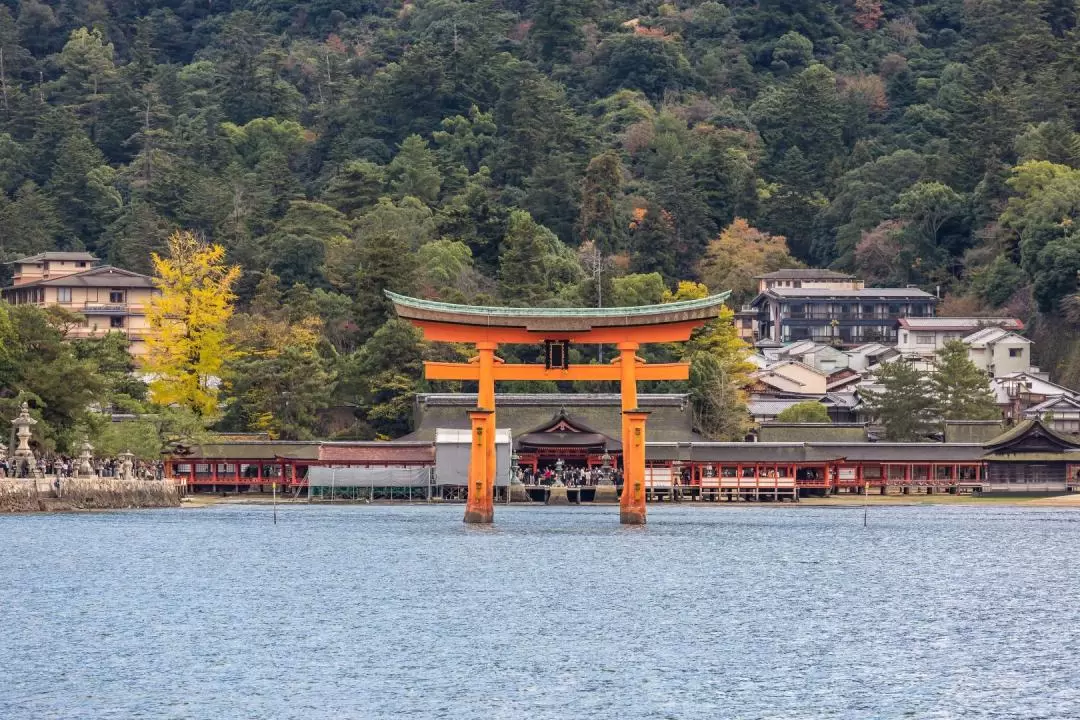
[
  {"x": 998, "y": 352},
  {"x": 921, "y": 337},
  {"x": 865, "y": 358}
]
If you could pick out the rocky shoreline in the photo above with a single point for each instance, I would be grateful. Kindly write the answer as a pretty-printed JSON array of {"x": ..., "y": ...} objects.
[{"x": 42, "y": 495}]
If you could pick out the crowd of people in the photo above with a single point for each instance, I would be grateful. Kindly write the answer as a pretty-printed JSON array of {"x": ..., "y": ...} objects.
[
  {"x": 570, "y": 476},
  {"x": 63, "y": 466}
]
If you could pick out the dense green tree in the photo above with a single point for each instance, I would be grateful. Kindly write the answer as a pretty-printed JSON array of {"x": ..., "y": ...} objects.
[
  {"x": 382, "y": 378},
  {"x": 534, "y": 265},
  {"x": 413, "y": 171},
  {"x": 642, "y": 62},
  {"x": 387, "y": 237},
  {"x": 38, "y": 366},
  {"x": 600, "y": 220},
  {"x": 806, "y": 115},
  {"x": 28, "y": 224},
  {"x": 904, "y": 402},
  {"x": 637, "y": 289},
  {"x": 83, "y": 191},
  {"x": 356, "y": 186},
  {"x": 280, "y": 379},
  {"x": 962, "y": 391},
  {"x": 805, "y": 412},
  {"x": 445, "y": 270}
]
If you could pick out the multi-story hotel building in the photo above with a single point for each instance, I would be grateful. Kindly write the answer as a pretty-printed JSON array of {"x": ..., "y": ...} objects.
[{"x": 109, "y": 298}]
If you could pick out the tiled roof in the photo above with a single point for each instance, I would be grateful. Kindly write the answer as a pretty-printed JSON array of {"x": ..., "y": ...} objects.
[
  {"x": 401, "y": 302},
  {"x": 104, "y": 276},
  {"x": 377, "y": 452},
  {"x": 759, "y": 408},
  {"x": 993, "y": 335},
  {"x": 1053, "y": 403},
  {"x": 1035, "y": 428},
  {"x": 804, "y": 274},
  {"x": 864, "y": 294},
  {"x": 58, "y": 256},
  {"x": 959, "y": 324}
]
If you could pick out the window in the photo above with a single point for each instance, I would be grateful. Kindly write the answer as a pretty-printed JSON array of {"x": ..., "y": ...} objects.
[
  {"x": 63, "y": 295},
  {"x": 116, "y": 296},
  {"x": 903, "y": 338},
  {"x": 924, "y": 339},
  {"x": 81, "y": 263},
  {"x": 1016, "y": 352},
  {"x": 797, "y": 283},
  {"x": 116, "y": 321}
]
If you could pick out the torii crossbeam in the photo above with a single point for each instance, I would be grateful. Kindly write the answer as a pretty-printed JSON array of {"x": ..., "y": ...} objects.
[{"x": 628, "y": 328}]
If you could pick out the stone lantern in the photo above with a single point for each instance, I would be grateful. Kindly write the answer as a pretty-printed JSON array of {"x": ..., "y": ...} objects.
[
  {"x": 518, "y": 493},
  {"x": 605, "y": 488},
  {"x": 23, "y": 455},
  {"x": 86, "y": 457},
  {"x": 559, "y": 467},
  {"x": 126, "y": 465},
  {"x": 557, "y": 492}
]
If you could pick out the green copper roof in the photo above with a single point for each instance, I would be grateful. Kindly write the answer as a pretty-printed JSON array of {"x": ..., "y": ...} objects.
[{"x": 528, "y": 312}]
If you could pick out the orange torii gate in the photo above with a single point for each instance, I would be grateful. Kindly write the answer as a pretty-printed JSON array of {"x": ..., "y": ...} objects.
[{"x": 487, "y": 327}]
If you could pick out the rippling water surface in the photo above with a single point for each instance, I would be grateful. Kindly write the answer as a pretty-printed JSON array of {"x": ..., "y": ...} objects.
[{"x": 361, "y": 611}]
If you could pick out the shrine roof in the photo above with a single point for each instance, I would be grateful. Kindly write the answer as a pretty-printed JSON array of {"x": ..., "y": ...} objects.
[{"x": 557, "y": 318}]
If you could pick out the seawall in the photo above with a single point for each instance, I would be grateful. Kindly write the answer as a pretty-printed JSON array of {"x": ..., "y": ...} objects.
[{"x": 19, "y": 496}]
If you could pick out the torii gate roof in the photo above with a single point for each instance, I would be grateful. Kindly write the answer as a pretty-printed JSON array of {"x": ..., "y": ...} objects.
[{"x": 552, "y": 321}]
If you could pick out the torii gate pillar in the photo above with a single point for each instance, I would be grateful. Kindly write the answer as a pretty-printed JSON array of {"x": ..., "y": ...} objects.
[
  {"x": 632, "y": 501},
  {"x": 480, "y": 508}
]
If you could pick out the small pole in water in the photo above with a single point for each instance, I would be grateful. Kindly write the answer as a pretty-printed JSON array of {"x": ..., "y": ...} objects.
[
  {"x": 866, "y": 502},
  {"x": 274, "y": 486}
]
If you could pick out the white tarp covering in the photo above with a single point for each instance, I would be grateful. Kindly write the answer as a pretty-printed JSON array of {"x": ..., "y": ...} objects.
[
  {"x": 452, "y": 456},
  {"x": 377, "y": 477}
]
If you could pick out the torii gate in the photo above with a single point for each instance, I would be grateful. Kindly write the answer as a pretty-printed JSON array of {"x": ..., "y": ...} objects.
[{"x": 486, "y": 327}]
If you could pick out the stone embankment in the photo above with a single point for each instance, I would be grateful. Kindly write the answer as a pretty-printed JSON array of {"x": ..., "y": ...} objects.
[{"x": 42, "y": 495}]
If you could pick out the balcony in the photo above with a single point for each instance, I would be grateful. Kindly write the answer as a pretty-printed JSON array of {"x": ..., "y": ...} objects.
[
  {"x": 839, "y": 317},
  {"x": 97, "y": 308}
]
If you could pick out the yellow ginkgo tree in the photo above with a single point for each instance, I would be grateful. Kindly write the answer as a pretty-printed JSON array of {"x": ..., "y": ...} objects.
[{"x": 189, "y": 343}]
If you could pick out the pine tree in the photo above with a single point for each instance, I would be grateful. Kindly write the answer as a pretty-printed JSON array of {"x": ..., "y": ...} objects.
[
  {"x": 387, "y": 238},
  {"x": 905, "y": 403},
  {"x": 188, "y": 343},
  {"x": 600, "y": 221},
  {"x": 534, "y": 264},
  {"x": 962, "y": 391},
  {"x": 413, "y": 171}
]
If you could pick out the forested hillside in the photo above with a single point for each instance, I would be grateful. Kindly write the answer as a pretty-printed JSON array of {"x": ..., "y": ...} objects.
[{"x": 541, "y": 152}]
